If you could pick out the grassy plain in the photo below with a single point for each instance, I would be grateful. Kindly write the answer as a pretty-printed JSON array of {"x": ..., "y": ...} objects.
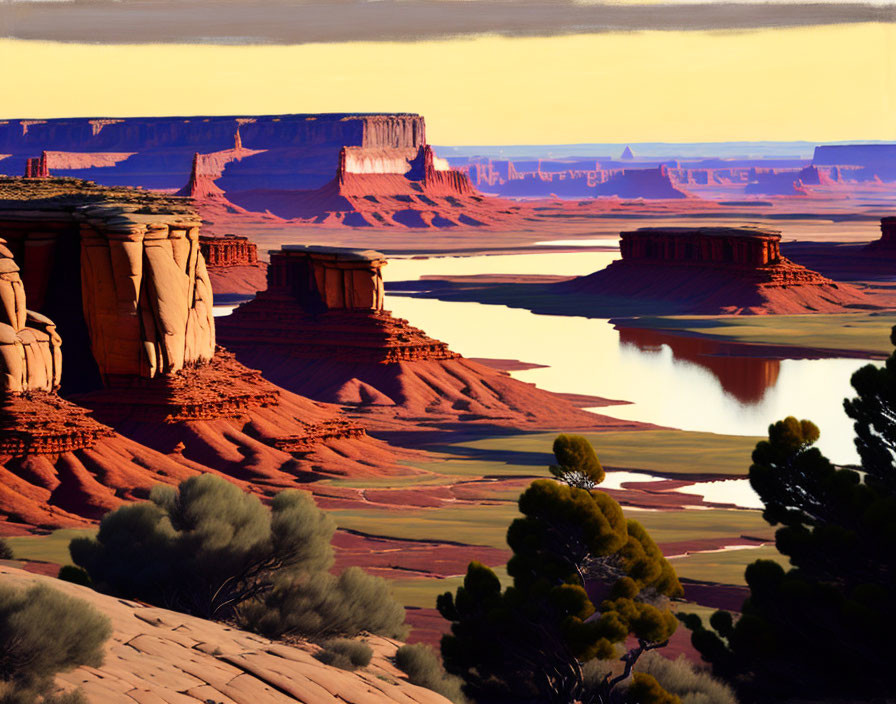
[{"x": 861, "y": 334}]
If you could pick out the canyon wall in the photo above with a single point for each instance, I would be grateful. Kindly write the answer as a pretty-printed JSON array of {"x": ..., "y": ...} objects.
[{"x": 300, "y": 151}]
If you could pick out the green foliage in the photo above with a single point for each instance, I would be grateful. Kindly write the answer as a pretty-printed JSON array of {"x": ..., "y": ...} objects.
[
  {"x": 321, "y": 605},
  {"x": 205, "y": 547},
  {"x": 584, "y": 581},
  {"x": 13, "y": 694},
  {"x": 5, "y": 550},
  {"x": 822, "y": 629},
  {"x": 209, "y": 549},
  {"x": 75, "y": 575},
  {"x": 345, "y": 654},
  {"x": 681, "y": 678},
  {"x": 423, "y": 668},
  {"x": 577, "y": 463},
  {"x": 44, "y": 632},
  {"x": 644, "y": 689}
]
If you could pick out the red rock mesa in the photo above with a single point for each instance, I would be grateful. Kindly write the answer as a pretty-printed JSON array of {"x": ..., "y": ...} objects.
[
  {"x": 232, "y": 263},
  {"x": 121, "y": 273},
  {"x": 714, "y": 270},
  {"x": 321, "y": 329}
]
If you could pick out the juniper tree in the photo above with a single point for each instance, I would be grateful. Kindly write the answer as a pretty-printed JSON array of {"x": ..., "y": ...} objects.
[
  {"x": 577, "y": 463},
  {"x": 585, "y": 580},
  {"x": 824, "y": 628}
]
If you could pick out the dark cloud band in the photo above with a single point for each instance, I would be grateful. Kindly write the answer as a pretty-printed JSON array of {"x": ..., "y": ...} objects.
[{"x": 295, "y": 22}]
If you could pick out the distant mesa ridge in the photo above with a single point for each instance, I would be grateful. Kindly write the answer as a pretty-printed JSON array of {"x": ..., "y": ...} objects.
[{"x": 714, "y": 270}]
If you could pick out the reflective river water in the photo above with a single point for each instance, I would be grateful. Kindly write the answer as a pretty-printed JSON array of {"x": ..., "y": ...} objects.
[{"x": 671, "y": 381}]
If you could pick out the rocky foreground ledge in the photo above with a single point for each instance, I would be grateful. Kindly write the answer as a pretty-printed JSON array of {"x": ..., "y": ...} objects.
[{"x": 162, "y": 657}]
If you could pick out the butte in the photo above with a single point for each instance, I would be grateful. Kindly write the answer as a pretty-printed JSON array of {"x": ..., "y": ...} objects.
[{"x": 320, "y": 329}]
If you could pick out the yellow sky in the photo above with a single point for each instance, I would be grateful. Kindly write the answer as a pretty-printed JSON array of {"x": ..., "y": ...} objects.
[{"x": 817, "y": 84}]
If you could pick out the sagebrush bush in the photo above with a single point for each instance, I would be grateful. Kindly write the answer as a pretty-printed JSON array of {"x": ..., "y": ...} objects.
[
  {"x": 5, "y": 550},
  {"x": 692, "y": 684},
  {"x": 679, "y": 677},
  {"x": 44, "y": 632},
  {"x": 323, "y": 605},
  {"x": 209, "y": 549},
  {"x": 423, "y": 668},
  {"x": 205, "y": 547},
  {"x": 12, "y": 694},
  {"x": 345, "y": 654}
]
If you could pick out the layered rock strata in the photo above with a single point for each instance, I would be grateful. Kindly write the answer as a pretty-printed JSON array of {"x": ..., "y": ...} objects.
[
  {"x": 374, "y": 187},
  {"x": 124, "y": 271},
  {"x": 320, "y": 329},
  {"x": 713, "y": 270},
  {"x": 228, "y": 250}
]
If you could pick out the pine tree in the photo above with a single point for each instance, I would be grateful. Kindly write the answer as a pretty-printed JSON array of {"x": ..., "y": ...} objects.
[{"x": 585, "y": 579}]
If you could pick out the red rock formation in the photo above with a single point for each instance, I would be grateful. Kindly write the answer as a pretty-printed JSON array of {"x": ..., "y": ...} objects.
[
  {"x": 233, "y": 266},
  {"x": 227, "y": 251},
  {"x": 886, "y": 245},
  {"x": 713, "y": 270},
  {"x": 37, "y": 167},
  {"x": 58, "y": 466},
  {"x": 320, "y": 330},
  {"x": 145, "y": 311},
  {"x": 392, "y": 187}
]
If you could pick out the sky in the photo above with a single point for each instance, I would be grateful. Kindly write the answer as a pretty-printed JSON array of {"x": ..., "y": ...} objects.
[{"x": 546, "y": 82}]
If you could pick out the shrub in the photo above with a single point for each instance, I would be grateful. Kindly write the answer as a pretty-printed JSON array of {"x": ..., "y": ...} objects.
[
  {"x": 44, "y": 632},
  {"x": 75, "y": 575},
  {"x": 5, "y": 550},
  {"x": 424, "y": 669},
  {"x": 322, "y": 605},
  {"x": 345, "y": 654},
  {"x": 209, "y": 549},
  {"x": 11, "y": 694},
  {"x": 692, "y": 685},
  {"x": 205, "y": 547}
]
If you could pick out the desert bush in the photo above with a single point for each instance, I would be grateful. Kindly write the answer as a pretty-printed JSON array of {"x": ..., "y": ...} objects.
[
  {"x": 75, "y": 575},
  {"x": 209, "y": 549},
  {"x": 5, "y": 550},
  {"x": 423, "y": 668},
  {"x": 322, "y": 605},
  {"x": 692, "y": 685},
  {"x": 12, "y": 694},
  {"x": 345, "y": 654},
  {"x": 44, "y": 632},
  {"x": 205, "y": 547}
]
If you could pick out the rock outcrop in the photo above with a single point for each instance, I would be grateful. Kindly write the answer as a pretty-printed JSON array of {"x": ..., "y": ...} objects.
[
  {"x": 376, "y": 187},
  {"x": 155, "y": 655},
  {"x": 295, "y": 151},
  {"x": 37, "y": 167},
  {"x": 232, "y": 264},
  {"x": 320, "y": 329},
  {"x": 58, "y": 466},
  {"x": 886, "y": 245},
  {"x": 122, "y": 273},
  {"x": 713, "y": 270}
]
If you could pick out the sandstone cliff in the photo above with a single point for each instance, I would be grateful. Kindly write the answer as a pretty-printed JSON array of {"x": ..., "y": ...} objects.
[
  {"x": 123, "y": 275},
  {"x": 154, "y": 655},
  {"x": 320, "y": 329}
]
